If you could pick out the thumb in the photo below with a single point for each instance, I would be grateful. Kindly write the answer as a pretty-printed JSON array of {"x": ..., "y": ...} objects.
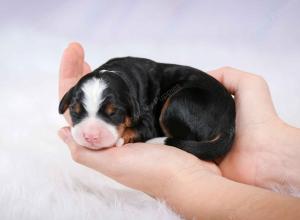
[
  {"x": 230, "y": 77},
  {"x": 65, "y": 135},
  {"x": 251, "y": 92}
]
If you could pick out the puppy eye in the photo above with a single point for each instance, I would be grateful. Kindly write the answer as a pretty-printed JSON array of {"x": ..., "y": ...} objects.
[
  {"x": 110, "y": 109},
  {"x": 76, "y": 109},
  {"x": 112, "y": 113}
]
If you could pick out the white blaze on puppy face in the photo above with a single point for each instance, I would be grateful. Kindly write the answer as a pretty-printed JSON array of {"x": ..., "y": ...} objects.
[
  {"x": 92, "y": 131},
  {"x": 93, "y": 95}
]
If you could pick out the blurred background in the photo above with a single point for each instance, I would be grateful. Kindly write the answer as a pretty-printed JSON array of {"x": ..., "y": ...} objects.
[{"x": 260, "y": 36}]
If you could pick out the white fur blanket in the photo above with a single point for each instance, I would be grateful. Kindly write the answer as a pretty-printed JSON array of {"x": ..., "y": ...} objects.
[
  {"x": 48, "y": 185},
  {"x": 38, "y": 179}
]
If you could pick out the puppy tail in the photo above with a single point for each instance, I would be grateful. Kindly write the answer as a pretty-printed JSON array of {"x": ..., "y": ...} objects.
[{"x": 205, "y": 150}]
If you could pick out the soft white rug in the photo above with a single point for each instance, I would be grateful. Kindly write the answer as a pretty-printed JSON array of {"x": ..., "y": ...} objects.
[
  {"x": 47, "y": 185},
  {"x": 38, "y": 179}
]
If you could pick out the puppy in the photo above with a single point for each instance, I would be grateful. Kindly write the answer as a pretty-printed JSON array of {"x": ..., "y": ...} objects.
[{"x": 132, "y": 99}]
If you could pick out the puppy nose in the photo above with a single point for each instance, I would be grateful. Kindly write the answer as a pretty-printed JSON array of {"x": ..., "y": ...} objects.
[{"x": 91, "y": 137}]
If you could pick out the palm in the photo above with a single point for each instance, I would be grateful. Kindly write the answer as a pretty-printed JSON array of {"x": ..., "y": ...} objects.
[
  {"x": 257, "y": 129},
  {"x": 249, "y": 154}
]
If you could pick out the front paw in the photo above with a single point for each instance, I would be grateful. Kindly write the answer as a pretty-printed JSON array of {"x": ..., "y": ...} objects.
[
  {"x": 120, "y": 142},
  {"x": 158, "y": 140}
]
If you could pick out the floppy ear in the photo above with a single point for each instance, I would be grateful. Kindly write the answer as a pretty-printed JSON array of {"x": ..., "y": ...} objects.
[
  {"x": 135, "y": 109},
  {"x": 65, "y": 101}
]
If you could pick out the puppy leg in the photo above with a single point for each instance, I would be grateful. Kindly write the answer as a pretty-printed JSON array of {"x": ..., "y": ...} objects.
[{"x": 197, "y": 121}]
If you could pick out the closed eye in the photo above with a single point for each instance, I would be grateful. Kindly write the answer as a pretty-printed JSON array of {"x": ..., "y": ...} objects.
[
  {"x": 112, "y": 113},
  {"x": 77, "y": 112},
  {"x": 110, "y": 109},
  {"x": 76, "y": 108}
]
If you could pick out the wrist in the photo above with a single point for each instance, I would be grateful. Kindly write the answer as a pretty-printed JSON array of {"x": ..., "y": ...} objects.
[
  {"x": 280, "y": 167},
  {"x": 205, "y": 195},
  {"x": 186, "y": 192}
]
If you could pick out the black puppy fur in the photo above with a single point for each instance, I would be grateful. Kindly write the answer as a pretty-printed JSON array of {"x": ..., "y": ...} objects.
[{"x": 188, "y": 106}]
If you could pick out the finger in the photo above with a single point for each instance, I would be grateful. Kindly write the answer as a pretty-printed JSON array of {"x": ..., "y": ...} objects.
[
  {"x": 86, "y": 68},
  {"x": 79, "y": 153},
  {"x": 71, "y": 67},
  {"x": 229, "y": 77},
  {"x": 250, "y": 91},
  {"x": 73, "y": 50},
  {"x": 65, "y": 135}
]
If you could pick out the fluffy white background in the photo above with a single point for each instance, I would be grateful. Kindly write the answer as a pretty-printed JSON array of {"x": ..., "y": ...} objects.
[{"x": 38, "y": 180}]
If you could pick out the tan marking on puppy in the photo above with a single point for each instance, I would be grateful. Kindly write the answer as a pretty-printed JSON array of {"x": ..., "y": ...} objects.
[
  {"x": 110, "y": 109},
  {"x": 128, "y": 134},
  {"x": 121, "y": 128},
  {"x": 163, "y": 109}
]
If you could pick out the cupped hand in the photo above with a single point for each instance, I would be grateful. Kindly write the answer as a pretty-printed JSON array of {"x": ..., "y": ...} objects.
[
  {"x": 266, "y": 150},
  {"x": 146, "y": 167}
]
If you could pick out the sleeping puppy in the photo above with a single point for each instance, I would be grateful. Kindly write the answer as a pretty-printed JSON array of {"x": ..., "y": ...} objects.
[{"x": 131, "y": 99}]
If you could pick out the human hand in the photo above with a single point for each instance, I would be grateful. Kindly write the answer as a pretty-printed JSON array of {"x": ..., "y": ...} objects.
[
  {"x": 72, "y": 68},
  {"x": 150, "y": 168},
  {"x": 146, "y": 167},
  {"x": 266, "y": 150}
]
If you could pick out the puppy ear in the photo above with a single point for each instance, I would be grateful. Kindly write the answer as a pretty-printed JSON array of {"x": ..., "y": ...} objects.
[
  {"x": 135, "y": 109},
  {"x": 65, "y": 101}
]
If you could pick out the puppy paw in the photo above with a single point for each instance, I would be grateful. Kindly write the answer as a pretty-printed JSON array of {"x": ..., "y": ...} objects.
[
  {"x": 159, "y": 140},
  {"x": 120, "y": 142}
]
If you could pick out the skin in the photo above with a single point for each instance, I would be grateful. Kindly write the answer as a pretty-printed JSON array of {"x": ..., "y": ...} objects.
[
  {"x": 266, "y": 149},
  {"x": 265, "y": 154}
]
